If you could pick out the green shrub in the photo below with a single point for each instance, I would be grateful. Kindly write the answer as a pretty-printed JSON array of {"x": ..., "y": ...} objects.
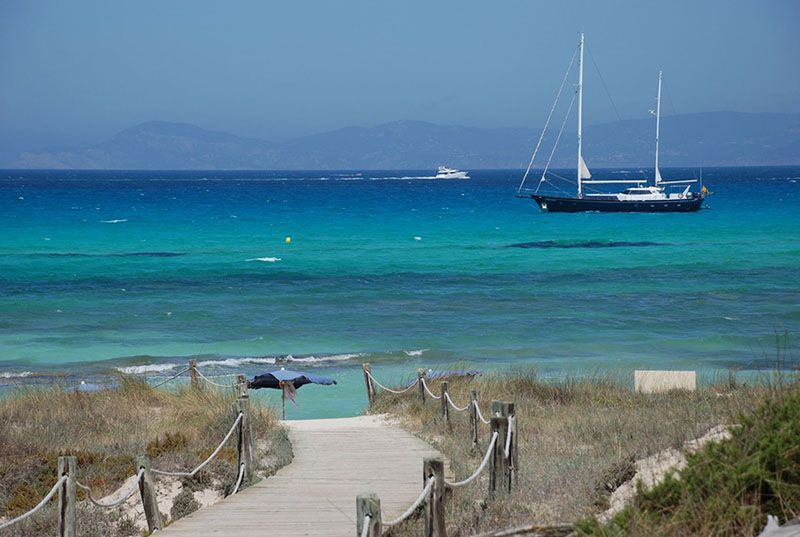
[
  {"x": 728, "y": 487},
  {"x": 184, "y": 504}
]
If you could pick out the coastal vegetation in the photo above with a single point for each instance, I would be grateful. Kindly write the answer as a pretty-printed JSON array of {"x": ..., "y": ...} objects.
[
  {"x": 580, "y": 438},
  {"x": 178, "y": 428},
  {"x": 728, "y": 487}
]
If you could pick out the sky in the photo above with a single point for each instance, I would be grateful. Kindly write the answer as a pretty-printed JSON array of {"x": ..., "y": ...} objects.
[{"x": 77, "y": 72}]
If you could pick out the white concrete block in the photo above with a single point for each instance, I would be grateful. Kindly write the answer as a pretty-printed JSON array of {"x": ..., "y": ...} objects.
[{"x": 645, "y": 381}]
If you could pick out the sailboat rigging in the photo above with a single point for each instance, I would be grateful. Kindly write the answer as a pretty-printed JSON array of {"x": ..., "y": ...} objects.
[{"x": 653, "y": 199}]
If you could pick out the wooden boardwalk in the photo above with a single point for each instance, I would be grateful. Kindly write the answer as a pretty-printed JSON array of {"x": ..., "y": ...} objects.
[{"x": 334, "y": 461}]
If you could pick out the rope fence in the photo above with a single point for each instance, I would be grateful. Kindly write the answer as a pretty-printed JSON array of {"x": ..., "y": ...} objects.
[
  {"x": 239, "y": 479},
  {"x": 196, "y": 375},
  {"x": 500, "y": 457},
  {"x": 455, "y": 406},
  {"x": 365, "y": 528},
  {"x": 507, "y": 447},
  {"x": 173, "y": 377},
  {"x": 41, "y": 504},
  {"x": 477, "y": 472},
  {"x": 478, "y": 411},
  {"x": 118, "y": 502},
  {"x": 68, "y": 483},
  {"x": 424, "y": 495},
  {"x": 210, "y": 457},
  {"x": 425, "y": 384},
  {"x": 208, "y": 380},
  {"x": 389, "y": 389}
]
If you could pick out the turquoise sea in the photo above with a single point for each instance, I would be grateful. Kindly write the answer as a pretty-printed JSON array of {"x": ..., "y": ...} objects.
[{"x": 140, "y": 271}]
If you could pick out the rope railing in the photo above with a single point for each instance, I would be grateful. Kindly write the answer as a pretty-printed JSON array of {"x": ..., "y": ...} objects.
[
  {"x": 480, "y": 468},
  {"x": 39, "y": 506},
  {"x": 389, "y": 389},
  {"x": 173, "y": 377},
  {"x": 118, "y": 502},
  {"x": 239, "y": 479},
  {"x": 197, "y": 374},
  {"x": 507, "y": 448},
  {"x": 500, "y": 457},
  {"x": 425, "y": 384},
  {"x": 425, "y": 493},
  {"x": 202, "y": 464},
  {"x": 449, "y": 399},
  {"x": 143, "y": 478},
  {"x": 365, "y": 527},
  {"x": 478, "y": 412},
  {"x": 205, "y": 378},
  {"x": 452, "y": 404}
]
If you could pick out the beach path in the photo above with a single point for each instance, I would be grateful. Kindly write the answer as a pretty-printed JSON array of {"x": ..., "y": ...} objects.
[{"x": 334, "y": 461}]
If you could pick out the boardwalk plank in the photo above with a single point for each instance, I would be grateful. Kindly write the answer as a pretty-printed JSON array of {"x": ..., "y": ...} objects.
[{"x": 335, "y": 460}]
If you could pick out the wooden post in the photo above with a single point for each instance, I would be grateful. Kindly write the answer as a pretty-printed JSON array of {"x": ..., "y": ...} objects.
[
  {"x": 244, "y": 437},
  {"x": 368, "y": 380},
  {"x": 193, "y": 374},
  {"x": 420, "y": 379},
  {"x": 513, "y": 458},
  {"x": 473, "y": 417},
  {"x": 148, "y": 493},
  {"x": 445, "y": 405},
  {"x": 505, "y": 470},
  {"x": 368, "y": 504},
  {"x": 66, "y": 497},
  {"x": 241, "y": 385},
  {"x": 434, "y": 506},
  {"x": 496, "y": 459}
]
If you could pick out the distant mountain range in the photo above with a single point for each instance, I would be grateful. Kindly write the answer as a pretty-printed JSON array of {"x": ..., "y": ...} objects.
[{"x": 708, "y": 139}]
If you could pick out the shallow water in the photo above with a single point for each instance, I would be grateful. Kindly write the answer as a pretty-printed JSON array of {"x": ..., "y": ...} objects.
[{"x": 142, "y": 270}]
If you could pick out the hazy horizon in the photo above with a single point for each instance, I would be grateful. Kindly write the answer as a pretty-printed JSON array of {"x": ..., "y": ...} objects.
[{"x": 76, "y": 74}]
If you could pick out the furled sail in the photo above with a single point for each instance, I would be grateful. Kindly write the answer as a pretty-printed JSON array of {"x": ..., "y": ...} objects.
[
  {"x": 585, "y": 174},
  {"x": 658, "y": 176}
]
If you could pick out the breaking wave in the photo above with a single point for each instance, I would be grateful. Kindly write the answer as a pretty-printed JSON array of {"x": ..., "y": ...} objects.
[
  {"x": 148, "y": 368},
  {"x": 15, "y": 375}
]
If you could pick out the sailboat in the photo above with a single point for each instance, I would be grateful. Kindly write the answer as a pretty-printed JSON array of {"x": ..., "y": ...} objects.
[{"x": 641, "y": 198}]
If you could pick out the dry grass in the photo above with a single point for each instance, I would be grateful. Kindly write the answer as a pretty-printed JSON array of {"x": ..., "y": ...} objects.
[
  {"x": 578, "y": 437},
  {"x": 177, "y": 429}
]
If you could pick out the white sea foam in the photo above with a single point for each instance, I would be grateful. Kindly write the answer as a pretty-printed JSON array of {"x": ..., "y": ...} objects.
[
  {"x": 149, "y": 368},
  {"x": 114, "y": 221},
  {"x": 235, "y": 362},
  {"x": 331, "y": 358},
  {"x": 265, "y": 259},
  {"x": 14, "y": 375},
  {"x": 417, "y": 352},
  {"x": 417, "y": 238},
  {"x": 404, "y": 178}
]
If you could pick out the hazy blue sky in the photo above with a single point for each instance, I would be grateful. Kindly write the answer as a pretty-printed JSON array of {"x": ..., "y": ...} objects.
[{"x": 76, "y": 72}]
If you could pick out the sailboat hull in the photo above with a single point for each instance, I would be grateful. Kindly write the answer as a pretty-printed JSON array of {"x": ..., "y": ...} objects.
[{"x": 553, "y": 204}]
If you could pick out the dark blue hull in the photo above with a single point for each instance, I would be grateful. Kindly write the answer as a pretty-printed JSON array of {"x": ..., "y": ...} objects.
[{"x": 553, "y": 204}]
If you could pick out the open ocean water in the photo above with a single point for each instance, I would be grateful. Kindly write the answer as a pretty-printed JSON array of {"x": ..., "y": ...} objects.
[{"x": 140, "y": 271}]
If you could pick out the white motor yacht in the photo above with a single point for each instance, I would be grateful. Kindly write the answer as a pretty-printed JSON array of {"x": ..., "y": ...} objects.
[{"x": 450, "y": 173}]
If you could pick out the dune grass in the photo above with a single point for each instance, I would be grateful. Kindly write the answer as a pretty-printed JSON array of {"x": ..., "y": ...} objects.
[
  {"x": 578, "y": 439},
  {"x": 727, "y": 488},
  {"x": 178, "y": 428}
]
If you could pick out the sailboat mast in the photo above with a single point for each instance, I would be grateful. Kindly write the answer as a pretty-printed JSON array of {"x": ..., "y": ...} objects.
[
  {"x": 580, "y": 116},
  {"x": 658, "y": 127}
]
